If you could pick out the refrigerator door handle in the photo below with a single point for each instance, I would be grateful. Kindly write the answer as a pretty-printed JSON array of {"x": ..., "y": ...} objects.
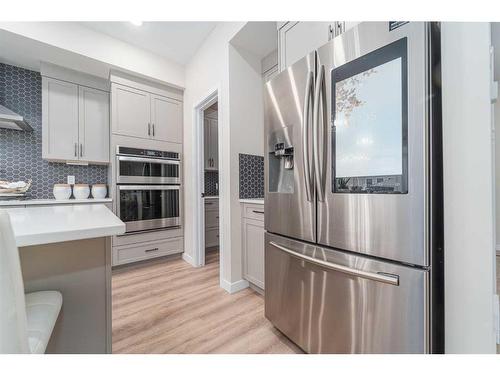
[
  {"x": 319, "y": 168},
  {"x": 375, "y": 276},
  {"x": 305, "y": 136}
]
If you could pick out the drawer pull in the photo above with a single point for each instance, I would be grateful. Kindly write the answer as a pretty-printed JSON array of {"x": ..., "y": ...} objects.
[
  {"x": 258, "y": 212},
  {"x": 150, "y": 250}
]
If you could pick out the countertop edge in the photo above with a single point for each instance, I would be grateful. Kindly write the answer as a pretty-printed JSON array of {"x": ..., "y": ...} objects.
[
  {"x": 253, "y": 200},
  {"x": 71, "y": 235},
  {"x": 35, "y": 202}
]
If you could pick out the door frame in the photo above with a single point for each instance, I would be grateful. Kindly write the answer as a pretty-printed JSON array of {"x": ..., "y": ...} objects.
[{"x": 199, "y": 175}]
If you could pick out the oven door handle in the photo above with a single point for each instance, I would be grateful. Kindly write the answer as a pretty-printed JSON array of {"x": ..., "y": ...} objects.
[
  {"x": 148, "y": 187},
  {"x": 148, "y": 160}
]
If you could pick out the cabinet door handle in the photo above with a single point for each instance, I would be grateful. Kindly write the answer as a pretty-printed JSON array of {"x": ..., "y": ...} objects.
[
  {"x": 257, "y": 212},
  {"x": 149, "y": 129},
  {"x": 76, "y": 149},
  {"x": 153, "y": 130},
  {"x": 81, "y": 149},
  {"x": 150, "y": 250}
]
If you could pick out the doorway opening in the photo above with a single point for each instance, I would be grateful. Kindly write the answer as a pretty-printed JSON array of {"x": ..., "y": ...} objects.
[
  {"x": 208, "y": 218},
  {"x": 211, "y": 179}
]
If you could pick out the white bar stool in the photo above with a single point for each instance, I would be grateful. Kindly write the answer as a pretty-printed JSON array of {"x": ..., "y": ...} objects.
[{"x": 26, "y": 321}]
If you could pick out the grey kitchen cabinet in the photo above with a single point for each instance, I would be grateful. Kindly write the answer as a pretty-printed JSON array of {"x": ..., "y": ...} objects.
[
  {"x": 131, "y": 110},
  {"x": 138, "y": 113},
  {"x": 211, "y": 143},
  {"x": 253, "y": 243},
  {"x": 297, "y": 39},
  {"x": 75, "y": 122},
  {"x": 93, "y": 125},
  {"x": 166, "y": 119},
  {"x": 59, "y": 120},
  {"x": 211, "y": 222}
]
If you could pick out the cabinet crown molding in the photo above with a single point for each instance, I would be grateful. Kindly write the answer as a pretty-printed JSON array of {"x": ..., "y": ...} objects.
[
  {"x": 143, "y": 84},
  {"x": 68, "y": 75}
]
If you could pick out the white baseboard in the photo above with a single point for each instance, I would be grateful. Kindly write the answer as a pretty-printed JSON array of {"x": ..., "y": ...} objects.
[
  {"x": 188, "y": 258},
  {"x": 233, "y": 287}
]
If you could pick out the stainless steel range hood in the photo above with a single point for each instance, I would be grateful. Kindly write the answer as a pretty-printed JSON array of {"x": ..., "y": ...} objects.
[{"x": 11, "y": 120}]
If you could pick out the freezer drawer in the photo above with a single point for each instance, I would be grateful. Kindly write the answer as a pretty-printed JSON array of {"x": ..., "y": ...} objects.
[{"x": 328, "y": 301}]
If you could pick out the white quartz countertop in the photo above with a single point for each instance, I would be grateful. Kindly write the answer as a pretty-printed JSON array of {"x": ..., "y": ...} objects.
[
  {"x": 42, "y": 225},
  {"x": 253, "y": 200},
  {"x": 33, "y": 202}
]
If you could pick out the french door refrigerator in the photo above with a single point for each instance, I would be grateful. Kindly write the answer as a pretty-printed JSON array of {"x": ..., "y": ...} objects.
[{"x": 353, "y": 195}]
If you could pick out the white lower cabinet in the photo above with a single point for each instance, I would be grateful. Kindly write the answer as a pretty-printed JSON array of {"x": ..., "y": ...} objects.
[
  {"x": 253, "y": 243},
  {"x": 147, "y": 250}
]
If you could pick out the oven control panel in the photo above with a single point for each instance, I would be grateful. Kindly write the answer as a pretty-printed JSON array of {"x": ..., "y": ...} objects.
[{"x": 130, "y": 151}]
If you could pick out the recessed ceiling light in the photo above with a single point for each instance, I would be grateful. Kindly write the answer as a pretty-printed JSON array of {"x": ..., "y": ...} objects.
[{"x": 136, "y": 23}]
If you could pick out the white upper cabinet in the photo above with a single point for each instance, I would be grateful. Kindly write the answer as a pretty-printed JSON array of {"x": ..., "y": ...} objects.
[
  {"x": 75, "y": 125},
  {"x": 141, "y": 114},
  {"x": 59, "y": 120},
  {"x": 93, "y": 125},
  {"x": 166, "y": 119},
  {"x": 297, "y": 39},
  {"x": 131, "y": 111}
]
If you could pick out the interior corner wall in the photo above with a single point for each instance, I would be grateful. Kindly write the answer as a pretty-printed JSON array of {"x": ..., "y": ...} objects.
[
  {"x": 209, "y": 70},
  {"x": 468, "y": 188},
  {"x": 246, "y": 136}
]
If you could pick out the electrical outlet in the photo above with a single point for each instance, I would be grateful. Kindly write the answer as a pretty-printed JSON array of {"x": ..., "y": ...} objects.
[{"x": 71, "y": 180}]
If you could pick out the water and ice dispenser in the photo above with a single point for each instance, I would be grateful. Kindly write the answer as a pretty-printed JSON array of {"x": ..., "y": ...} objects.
[{"x": 281, "y": 161}]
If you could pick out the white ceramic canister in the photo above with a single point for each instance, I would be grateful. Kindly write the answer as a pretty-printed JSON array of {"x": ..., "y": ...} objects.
[
  {"x": 99, "y": 191},
  {"x": 81, "y": 191},
  {"x": 61, "y": 191}
]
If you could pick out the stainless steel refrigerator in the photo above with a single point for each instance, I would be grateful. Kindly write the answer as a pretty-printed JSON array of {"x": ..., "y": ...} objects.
[{"x": 353, "y": 194}]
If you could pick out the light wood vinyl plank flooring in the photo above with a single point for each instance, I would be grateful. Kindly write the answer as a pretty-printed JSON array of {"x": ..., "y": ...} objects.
[{"x": 167, "y": 306}]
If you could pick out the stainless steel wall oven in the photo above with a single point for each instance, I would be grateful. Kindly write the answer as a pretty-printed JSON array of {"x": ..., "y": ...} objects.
[{"x": 148, "y": 191}]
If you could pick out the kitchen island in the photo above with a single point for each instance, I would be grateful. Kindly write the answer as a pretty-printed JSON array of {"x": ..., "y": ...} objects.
[{"x": 68, "y": 248}]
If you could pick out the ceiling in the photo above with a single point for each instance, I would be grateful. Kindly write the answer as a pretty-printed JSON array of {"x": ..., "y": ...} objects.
[{"x": 176, "y": 41}]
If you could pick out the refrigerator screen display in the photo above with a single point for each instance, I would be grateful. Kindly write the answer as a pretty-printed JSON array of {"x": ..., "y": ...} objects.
[{"x": 370, "y": 123}]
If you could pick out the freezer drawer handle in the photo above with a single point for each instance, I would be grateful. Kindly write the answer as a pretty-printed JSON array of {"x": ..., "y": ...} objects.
[{"x": 376, "y": 276}]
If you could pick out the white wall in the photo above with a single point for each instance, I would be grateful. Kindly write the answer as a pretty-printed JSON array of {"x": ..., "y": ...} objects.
[
  {"x": 73, "y": 37},
  {"x": 495, "y": 41},
  {"x": 247, "y": 133},
  {"x": 237, "y": 74},
  {"x": 208, "y": 70},
  {"x": 468, "y": 189}
]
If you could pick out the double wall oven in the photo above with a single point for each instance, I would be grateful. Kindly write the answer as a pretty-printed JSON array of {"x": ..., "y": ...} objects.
[{"x": 148, "y": 189}]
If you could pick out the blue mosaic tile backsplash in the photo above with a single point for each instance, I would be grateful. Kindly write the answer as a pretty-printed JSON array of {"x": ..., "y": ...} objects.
[
  {"x": 211, "y": 180},
  {"x": 251, "y": 176},
  {"x": 21, "y": 152}
]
